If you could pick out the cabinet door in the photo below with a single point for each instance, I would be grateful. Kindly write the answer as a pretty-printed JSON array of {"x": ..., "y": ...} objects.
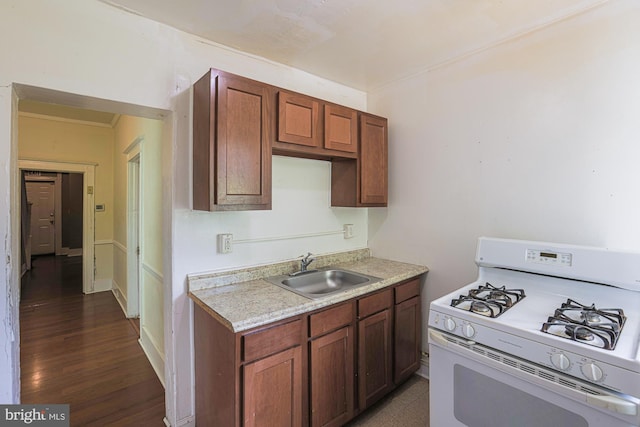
[
  {"x": 340, "y": 128},
  {"x": 374, "y": 358},
  {"x": 272, "y": 390},
  {"x": 331, "y": 376},
  {"x": 373, "y": 160},
  {"x": 244, "y": 148},
  {"x": 407, "y": 339},
  {"x": 298, "y": 119},
  {"x": 231, "y": 143}
]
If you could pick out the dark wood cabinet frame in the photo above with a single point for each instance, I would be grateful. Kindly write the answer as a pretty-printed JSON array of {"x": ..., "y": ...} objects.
[
  {"x": 318, "y": 368},
  {"x": 239, "y": 123}
]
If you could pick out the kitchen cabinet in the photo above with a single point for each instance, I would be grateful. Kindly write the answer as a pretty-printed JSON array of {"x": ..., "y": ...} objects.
[
  {"x": 340, "y": 128},
  {"x": 312, "y": 128},
  {"x": 407, "y": 330},
  {"x": 260, "y": 371},
  {"x": 232, "y": 125},
  {"x": 374, "y": 348},
  {"x": 316, "y": 369},
  {"x": 238, "y": 124},
  {"x": 272, "y": 390},
  {"x": 363, "y": 182},
  {"x": 331, "y": 366},
  {"x": 298, "y": 120}
]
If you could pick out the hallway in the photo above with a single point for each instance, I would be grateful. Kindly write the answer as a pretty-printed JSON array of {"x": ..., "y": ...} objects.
[{"x": 81, "y": 350}]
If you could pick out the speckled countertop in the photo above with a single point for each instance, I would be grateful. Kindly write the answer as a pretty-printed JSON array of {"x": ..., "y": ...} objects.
[{"x": 241, "y": 299}]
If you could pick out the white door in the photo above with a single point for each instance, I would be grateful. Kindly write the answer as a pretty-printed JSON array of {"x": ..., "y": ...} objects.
[{"x": 42, "y": 196}]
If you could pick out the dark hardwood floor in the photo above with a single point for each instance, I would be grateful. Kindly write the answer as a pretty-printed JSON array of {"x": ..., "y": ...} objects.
[{"x": 81, "y": 350}]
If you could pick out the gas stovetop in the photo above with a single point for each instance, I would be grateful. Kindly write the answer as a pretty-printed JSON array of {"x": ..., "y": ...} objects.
[{"x": 549, "y": 313}]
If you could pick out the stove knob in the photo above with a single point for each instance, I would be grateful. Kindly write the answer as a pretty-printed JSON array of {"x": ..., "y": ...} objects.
[
  {"x": 560, "y": 361},
  {"x": 468, "y": 331},
  {"x": 449, "y": 324},
  {"x": 592, "y": 371}
]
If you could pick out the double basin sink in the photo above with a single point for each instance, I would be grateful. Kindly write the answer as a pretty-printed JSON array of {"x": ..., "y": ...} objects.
[{"x": 322, "y": 283}]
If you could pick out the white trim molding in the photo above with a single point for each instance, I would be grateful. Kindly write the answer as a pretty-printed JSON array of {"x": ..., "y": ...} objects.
[
  {"x": 122, "y": 300},
  {"x": 154, "y": 354},
  {"x": 67, "y": 120},
  {"x": 423, "y": 371},
  {"x": 102, "y": 285},
  {"x": 152, "y": 272}
]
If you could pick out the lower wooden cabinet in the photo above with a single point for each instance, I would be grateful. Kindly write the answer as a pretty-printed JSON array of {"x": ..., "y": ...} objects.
[
  {"x": 317, "y": 369},
  {"x": 331, "y": 378},
  {"x": 374, "y": 358},
  {"x": 407, "y": 330},
  {"x": 272, "y": 390},
  {"x": 252, "y": 378}
]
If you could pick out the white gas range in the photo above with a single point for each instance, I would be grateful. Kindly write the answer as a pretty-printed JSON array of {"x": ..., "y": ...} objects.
[{"x": 548, "y": 335}]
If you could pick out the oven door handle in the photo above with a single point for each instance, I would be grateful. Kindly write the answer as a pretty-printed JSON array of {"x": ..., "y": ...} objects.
[
  {"x": 614, "y": 404},
  {"x": 438, "y": 337}
]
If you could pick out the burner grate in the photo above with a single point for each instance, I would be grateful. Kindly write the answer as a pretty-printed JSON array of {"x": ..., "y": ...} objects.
[
  {"x": 488, "y": 300},
  {"x": 586, "y": 324}
]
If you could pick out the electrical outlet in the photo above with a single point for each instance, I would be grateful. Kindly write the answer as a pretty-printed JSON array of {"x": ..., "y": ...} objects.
[
  {"x": 225, "y": 243},
  {"x": 348, "y": 231}
]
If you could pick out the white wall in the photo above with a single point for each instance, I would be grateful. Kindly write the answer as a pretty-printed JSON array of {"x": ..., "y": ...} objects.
[
  {"x": 534, "y": 139},
  {"x": 147, "y": 134},
  {"x": 89, "y": 49}
]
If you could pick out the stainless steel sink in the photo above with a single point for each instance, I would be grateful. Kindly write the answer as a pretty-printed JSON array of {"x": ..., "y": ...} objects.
[{"x": 322, "y": 283}]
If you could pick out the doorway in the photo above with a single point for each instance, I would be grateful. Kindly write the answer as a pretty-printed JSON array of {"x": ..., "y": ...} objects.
[
  {"x": 88, "y": 181},
  {"x": 105, "y": 243}
]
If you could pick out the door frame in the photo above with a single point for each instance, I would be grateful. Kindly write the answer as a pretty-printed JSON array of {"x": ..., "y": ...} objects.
[
  {"x": 134, "y": 228},
  {"x": 88, "y": 208}
]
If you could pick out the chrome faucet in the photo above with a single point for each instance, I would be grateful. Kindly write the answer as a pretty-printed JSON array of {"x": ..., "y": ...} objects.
[{"x": 304, "y": 263}]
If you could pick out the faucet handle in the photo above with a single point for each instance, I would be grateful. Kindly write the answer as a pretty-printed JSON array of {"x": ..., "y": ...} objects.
[{"x": 306, "y": 260}]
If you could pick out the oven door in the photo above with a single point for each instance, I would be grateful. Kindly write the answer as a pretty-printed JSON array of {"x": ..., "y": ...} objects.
[{"x": 471, "y": 385}]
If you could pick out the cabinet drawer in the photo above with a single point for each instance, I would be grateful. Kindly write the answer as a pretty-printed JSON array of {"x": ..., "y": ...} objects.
[
  {"x": 330, "y": 319},
  {"x": 268, "y": 341},
  {"x": 374, "y": 303},
  {"x": 407, "y": 290}
]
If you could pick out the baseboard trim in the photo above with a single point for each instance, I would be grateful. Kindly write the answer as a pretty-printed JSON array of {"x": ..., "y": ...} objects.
[
  {"x": 102, "y": 285},
  {"x": 423, "y": 370},
  {"x": 153, "y": 353},
  {"x": 74, "y": 252},
  {"x": 122, "y": 300},
  {"x": 187, "y": 421}
]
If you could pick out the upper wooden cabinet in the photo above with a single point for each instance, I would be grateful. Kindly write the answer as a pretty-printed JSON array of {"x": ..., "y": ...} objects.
[
  {"x": 309, "y": 127},
  {"x": 340, "y": 128},
  {"x": 363, "y": 182},
  {"x": 239, "y": 123},
  {"x": 232, "y": 125},
  {"x": 298, "y": 119},
  {"x": 373, "y": 160}
]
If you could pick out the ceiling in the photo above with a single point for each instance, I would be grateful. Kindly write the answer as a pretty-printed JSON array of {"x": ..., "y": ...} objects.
[{"x": 363, "y": 44}]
